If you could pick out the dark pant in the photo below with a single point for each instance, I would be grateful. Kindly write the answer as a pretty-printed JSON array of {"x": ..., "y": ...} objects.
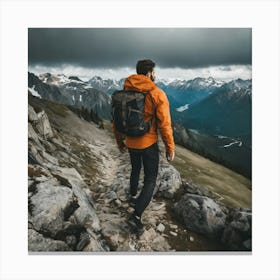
[{"x": 150, "y": 159}]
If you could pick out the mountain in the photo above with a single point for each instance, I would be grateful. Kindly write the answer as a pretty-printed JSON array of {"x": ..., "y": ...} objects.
[
  {"x": 219, "y": 112},
  {"x": 227, "y": 111},
  {"x": 77, "y": 193},
  {"x": 106, "y": 85},
  {"x": 234, "y": 153},
  {"x": 189, "y": 91},
  {"x": 71, "y": 91}
]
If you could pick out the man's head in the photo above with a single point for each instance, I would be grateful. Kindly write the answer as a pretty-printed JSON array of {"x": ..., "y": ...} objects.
[{"x": 146, "y": 67}]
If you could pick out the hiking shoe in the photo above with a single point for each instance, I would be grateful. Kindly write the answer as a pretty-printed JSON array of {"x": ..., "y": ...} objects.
[
  {"x": 132, "y": 200},
  {"x": 136, "y": 223}
]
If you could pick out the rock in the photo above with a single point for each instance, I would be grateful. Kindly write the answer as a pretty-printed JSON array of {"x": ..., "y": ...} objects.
[
  {"x": 84, "y": 240},
  {"x": 238, "y": 232},
  {"x": 161, "y": 227},
  {"x": 38, "y": 243},
  {"x": 195, "y": 189},
  {"x": 153, "y": 242},
  {"x": 85, "y": 214},
  {"x": 118, "y": 202},
  {"x": 70, "y": 174},
  {"x": 111, "y": 196},
  {"x": 48, "y": 207},
  {"x": 34, "y": 156},
  {"x": 173, "y": 233},
  {"x": 201, "y": 214},
  {"x": 174, "y": 226},
  {"x": 32, "y": 134},
  {"x": 32, "y": 116},
  {"x": 168, "y": 181},
  {"x": 49, "y": 159},
  {"x": 191, "y": 239},
  {"x": 157, "y": 207},
  {"x": 43, "y": 126}
]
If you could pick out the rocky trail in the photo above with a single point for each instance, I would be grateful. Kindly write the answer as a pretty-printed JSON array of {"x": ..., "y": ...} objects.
[{"x": 77, "y": 195}]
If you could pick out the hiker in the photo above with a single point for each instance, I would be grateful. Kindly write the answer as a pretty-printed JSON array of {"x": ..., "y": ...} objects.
[{"x": 144, "y": 149}]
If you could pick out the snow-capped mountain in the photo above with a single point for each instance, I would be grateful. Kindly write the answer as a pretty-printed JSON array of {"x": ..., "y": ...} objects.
[
  {"x": 58, "y": 80},
  {"x": 182, "y": 92},
  {"x": 197, "y": 83},
  {"x": 106, "y": 85},
  {"x": 226, "y": 111},
  {"x": 70, "y": 91}
]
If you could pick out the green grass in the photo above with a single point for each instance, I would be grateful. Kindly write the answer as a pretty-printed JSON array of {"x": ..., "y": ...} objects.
[
  {"x": 232, "y": 187},
  {"x": 49, "y": 106}
]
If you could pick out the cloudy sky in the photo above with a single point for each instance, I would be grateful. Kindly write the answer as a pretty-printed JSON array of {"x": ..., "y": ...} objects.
[{"x": 184, "y": 53}]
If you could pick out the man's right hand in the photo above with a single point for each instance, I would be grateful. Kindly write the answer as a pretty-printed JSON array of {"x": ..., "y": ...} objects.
[
  {"x": 123, "y": 148},
  {"x": 170, "y": 156}
]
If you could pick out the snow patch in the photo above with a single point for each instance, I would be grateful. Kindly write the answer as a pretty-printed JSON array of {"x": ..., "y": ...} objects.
[
  {"x": 239, "y": 143},
  {"x": 34, "y": 92},
  {"x": 183, "y": 108}
]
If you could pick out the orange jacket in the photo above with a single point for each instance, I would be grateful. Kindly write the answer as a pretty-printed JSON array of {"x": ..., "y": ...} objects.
[{"x": 143, "y": 83}]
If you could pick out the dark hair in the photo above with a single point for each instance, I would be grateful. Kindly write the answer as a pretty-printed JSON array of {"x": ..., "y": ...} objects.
[{"x": 145, "y": 66}]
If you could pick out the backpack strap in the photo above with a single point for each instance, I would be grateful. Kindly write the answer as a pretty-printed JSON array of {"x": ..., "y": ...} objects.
[
  {"x": 154, "y": 116},
  {"x": 124, "y": 112}
]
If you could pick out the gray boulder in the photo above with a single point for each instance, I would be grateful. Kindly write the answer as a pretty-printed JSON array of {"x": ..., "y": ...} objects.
[
  {"x": 38, "y": 243},
  {"x": 201, "y": 214},
  {"x": 32, "y": 134},
  {"x": 168, "y": 181},
  {"x": 238, "y": 232},
  {"x": 32, "y": 116},
  {"x": 43, "y": 126},
  {"x": 48, "y": 207},
  {"x": 86, "y": 213}
]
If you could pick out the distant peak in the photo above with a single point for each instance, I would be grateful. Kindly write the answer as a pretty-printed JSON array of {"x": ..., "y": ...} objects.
[{"x": 75, "y": 78}]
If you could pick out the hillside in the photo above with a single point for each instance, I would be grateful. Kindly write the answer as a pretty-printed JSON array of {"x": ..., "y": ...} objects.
[{"x": 78, "y": 186}]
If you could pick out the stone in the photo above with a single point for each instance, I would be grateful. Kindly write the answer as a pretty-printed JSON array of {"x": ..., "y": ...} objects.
[
  {"x": 32, "y": 134},
  {"x": 118, "y": 203},
  {"x": 161, "y": 227},
  {"x": 191, "y": 239},
  {"x": 39, "y": 243},
  {"x": 168, "y": 181},
  {"x": 32, "y": 116},
  {"x": 48, "y": 158},
  {"x": 84, "y": 240},
  {"x": 238, "y": 232},
  {"x": 43, "y": 125},
  {"x": 157, "y": 207},
  {"x": 201, "y": 214},
  {"x": 111, "y": 196},
  {"x": 48, "y": 205},
  {"x": 173, "y": 233},
  {"x": 195, "y": 189},
  {"x": 174, "y": 226},
  {"x": 153, "y": 241}
]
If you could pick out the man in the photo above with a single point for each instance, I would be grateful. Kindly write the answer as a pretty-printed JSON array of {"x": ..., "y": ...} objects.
[{"x": 144, "y": 149}]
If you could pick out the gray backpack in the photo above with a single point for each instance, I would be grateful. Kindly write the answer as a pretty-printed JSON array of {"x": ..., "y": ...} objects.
[{"x": 128, "y": 112}]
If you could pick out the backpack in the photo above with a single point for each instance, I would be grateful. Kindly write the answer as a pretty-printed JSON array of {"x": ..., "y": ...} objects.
[{"x": 128, "y": 112}]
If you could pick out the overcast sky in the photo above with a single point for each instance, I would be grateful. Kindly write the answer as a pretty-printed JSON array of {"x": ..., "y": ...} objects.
[{"x": 114, "y": 51}]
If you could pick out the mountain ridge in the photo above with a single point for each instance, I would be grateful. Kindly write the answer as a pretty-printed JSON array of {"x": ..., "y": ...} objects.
[{"x": 75, "y": 169}]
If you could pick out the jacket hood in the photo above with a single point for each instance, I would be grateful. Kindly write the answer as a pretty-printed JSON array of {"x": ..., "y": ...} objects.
[{"x": 139, "y": 83}]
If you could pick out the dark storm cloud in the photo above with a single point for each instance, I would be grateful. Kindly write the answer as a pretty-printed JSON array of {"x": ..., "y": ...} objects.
[{"x": 97, "y": 48}]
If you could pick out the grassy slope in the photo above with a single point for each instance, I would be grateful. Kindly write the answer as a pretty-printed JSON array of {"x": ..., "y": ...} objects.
[{"x": 232, "y": 188}]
